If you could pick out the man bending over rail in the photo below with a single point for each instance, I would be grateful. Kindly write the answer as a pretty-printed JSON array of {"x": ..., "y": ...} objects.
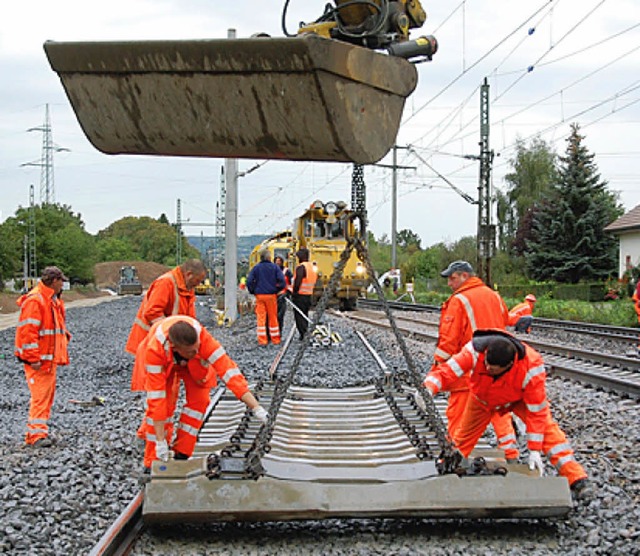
[
  {"x": 505, "y": 375},
  {"x": 180, "y": 348}
]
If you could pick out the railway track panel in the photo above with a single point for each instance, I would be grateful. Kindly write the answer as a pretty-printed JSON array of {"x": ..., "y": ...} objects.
[{"x": 350, "y": 452}]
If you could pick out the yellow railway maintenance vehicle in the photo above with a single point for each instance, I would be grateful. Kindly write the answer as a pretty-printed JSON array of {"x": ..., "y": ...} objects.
[
  {"x": 324, "y": 229},
  {"x": 279, "y": 245}
]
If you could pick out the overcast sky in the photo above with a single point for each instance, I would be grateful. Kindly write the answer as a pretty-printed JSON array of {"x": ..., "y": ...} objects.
[{"x": 585, "y": 56}]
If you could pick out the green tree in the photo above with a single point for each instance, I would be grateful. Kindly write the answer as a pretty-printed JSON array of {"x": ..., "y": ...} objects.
[
  {"x": 568, "y": 242},
  {"x": 149, "y": 239},
  {"x": 61, "y": 240},
  {"x": 534, "y": 172},
  {"x": 408, "y": 240}
]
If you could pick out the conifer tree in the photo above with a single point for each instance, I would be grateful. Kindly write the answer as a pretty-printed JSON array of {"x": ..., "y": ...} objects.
[{"x": 568, "y": 241}]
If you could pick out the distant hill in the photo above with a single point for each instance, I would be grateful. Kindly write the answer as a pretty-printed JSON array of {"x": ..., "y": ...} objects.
[{"x": 245, "y": 244}]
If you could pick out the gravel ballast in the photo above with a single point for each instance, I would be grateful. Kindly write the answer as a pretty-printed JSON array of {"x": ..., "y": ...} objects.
[{"x": 62, "y": 499}]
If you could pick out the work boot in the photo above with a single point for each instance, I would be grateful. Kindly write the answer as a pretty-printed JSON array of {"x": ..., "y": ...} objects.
[
  {"x": 43, "y": 443},
  {"x": 180, "y": 456},
  {"x": 582, "y": 489}
]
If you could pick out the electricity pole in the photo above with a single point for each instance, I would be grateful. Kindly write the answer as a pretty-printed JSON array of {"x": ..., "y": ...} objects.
[
  {"x": 47, "y": 187},
  {"x": 486, "y": 230},
  {"x": 394, "y": 202}
]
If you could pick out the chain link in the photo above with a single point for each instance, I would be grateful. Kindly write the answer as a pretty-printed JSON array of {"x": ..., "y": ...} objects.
[{"x": 260, "y": 445}]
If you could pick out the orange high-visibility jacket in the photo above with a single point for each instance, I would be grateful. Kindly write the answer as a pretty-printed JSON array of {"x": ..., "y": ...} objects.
[
  {"x": 41, "y": 335},
  {"x": 168, "y": 295},
  {"x": 309, "y": 280},
  {"x": 520, "y": 310},
  {"x": 472, "y": 306},
  {"x": 156, "y": 358},
  {"x": 525, "y": 382}
]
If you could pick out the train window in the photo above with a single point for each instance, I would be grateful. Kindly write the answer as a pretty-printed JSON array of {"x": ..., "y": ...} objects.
[
  {"x": 319, "y": 230},
  {"x": 336, "y": 230},
  {"x": 307, "y": 227}
]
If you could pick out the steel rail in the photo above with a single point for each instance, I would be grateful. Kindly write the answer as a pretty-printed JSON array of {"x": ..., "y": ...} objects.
[
  {"x": 620, "y": 333},
  {"x": 613, "y": 372},
  {"x": 123, "y": 532}
]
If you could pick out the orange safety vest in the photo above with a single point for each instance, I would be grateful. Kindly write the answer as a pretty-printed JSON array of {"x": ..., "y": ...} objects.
[
  {"x": 156, "y": 360},
  {"x": 168, "y": 295},
  {"x": 309, "y": 281},
  {"x": 524, "y": 381},
  {"x": 472, "y": 306},
  {"x": 41, "y": 334}
]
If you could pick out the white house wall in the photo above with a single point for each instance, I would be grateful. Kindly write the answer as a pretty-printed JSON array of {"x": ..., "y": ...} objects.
[{"x": 629, "y": 247}]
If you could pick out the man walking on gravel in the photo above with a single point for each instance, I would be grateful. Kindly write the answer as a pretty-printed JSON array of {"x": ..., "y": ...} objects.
[
  {"x": 264, "y": 282},
  {"x": 180, "y": 348},
  {"x": 173, "y": 293},
  {"x": 41, "y": 344},
  {"x": 506, "y": 375},
  {"x": 472, "y": 305}
]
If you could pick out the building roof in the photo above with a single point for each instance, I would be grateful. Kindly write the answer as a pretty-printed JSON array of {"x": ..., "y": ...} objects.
[{"x": 627, "y": 222}]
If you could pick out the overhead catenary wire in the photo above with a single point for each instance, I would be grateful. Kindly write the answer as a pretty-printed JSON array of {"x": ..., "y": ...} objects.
[{"x": 485, "y": 55}]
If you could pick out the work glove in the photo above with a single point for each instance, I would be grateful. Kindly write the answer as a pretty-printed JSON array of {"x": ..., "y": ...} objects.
[
  {"x": 535, "y": 462},
  {"x": 162, "y": 450},
  {"x": 261, "y": 414},
  {"x": 419, "y": 399}
]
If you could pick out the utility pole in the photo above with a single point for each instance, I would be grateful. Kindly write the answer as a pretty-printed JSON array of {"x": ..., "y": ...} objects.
[
  {"x": 486, "y": 231},
  {"x": 178, "y": 233},
  {"x": 47, "y": 187},
  {"x": 231, "y": 238},
  {"x": 394, "y": 202},
  {"x": 29, "y": 267}
]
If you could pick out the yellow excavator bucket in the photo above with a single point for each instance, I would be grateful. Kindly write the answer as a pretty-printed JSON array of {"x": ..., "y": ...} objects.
[{"x": 300, "y": 98}]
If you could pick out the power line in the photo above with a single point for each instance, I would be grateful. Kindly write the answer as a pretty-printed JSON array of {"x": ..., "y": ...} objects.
[{"x": 492, "y": 49}]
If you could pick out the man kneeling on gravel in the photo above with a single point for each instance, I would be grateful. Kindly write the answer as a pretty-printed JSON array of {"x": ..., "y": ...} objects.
[
  {"x": 505, "y": 375},
  {"x": 180, "y": 348}
]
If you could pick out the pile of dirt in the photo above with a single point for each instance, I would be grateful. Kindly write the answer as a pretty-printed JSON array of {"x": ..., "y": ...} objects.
[{"x": 106, "y": 275}]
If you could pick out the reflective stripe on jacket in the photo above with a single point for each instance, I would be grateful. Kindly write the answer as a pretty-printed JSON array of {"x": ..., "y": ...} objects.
[
  {"x": 309, "y": 280},
  {"x": 524, "y": 382},
  {"x": 41, "y": 334},
  {"x": 156, "y": 358},
  {"x": 472, "y": 306},
  {"x": 168, "y": 295}
]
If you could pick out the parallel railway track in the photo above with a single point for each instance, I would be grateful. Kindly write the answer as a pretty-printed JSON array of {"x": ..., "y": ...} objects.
[
  {"x": 618, "y": 333},
  {"x": 616, "y": 373}
]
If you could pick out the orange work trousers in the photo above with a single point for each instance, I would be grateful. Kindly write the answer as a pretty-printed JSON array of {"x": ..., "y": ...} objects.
[
  {"x": 502, "y": 424},
  {"x": 196, "y": 402},
  {"x": 267, "y": 312},
  {"x": 555, "y": 445},
  {"x": 42, "y": 386}
]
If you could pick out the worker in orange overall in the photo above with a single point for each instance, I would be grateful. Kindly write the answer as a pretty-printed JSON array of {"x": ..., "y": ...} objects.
[
  {"x": 173, "y": 293},
  {"x": 41, "y": 344},
  {"x": 180, "y": 348},
  {"x": 472, "y": 306},
  {"x": 264, "y": 282},
  {"x": 521, "y": 315},
  {"x": 506, "y": 375},
  {"x": 636, "y": 306}
]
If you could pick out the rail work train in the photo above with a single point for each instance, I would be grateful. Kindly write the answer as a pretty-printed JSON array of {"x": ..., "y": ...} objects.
[{"x": 323, "y": 229}]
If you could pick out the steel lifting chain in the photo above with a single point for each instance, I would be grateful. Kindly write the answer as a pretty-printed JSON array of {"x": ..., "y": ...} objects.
[
  {"x": 260, "y": 445},
  {"x": 450, "y": 457}
]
